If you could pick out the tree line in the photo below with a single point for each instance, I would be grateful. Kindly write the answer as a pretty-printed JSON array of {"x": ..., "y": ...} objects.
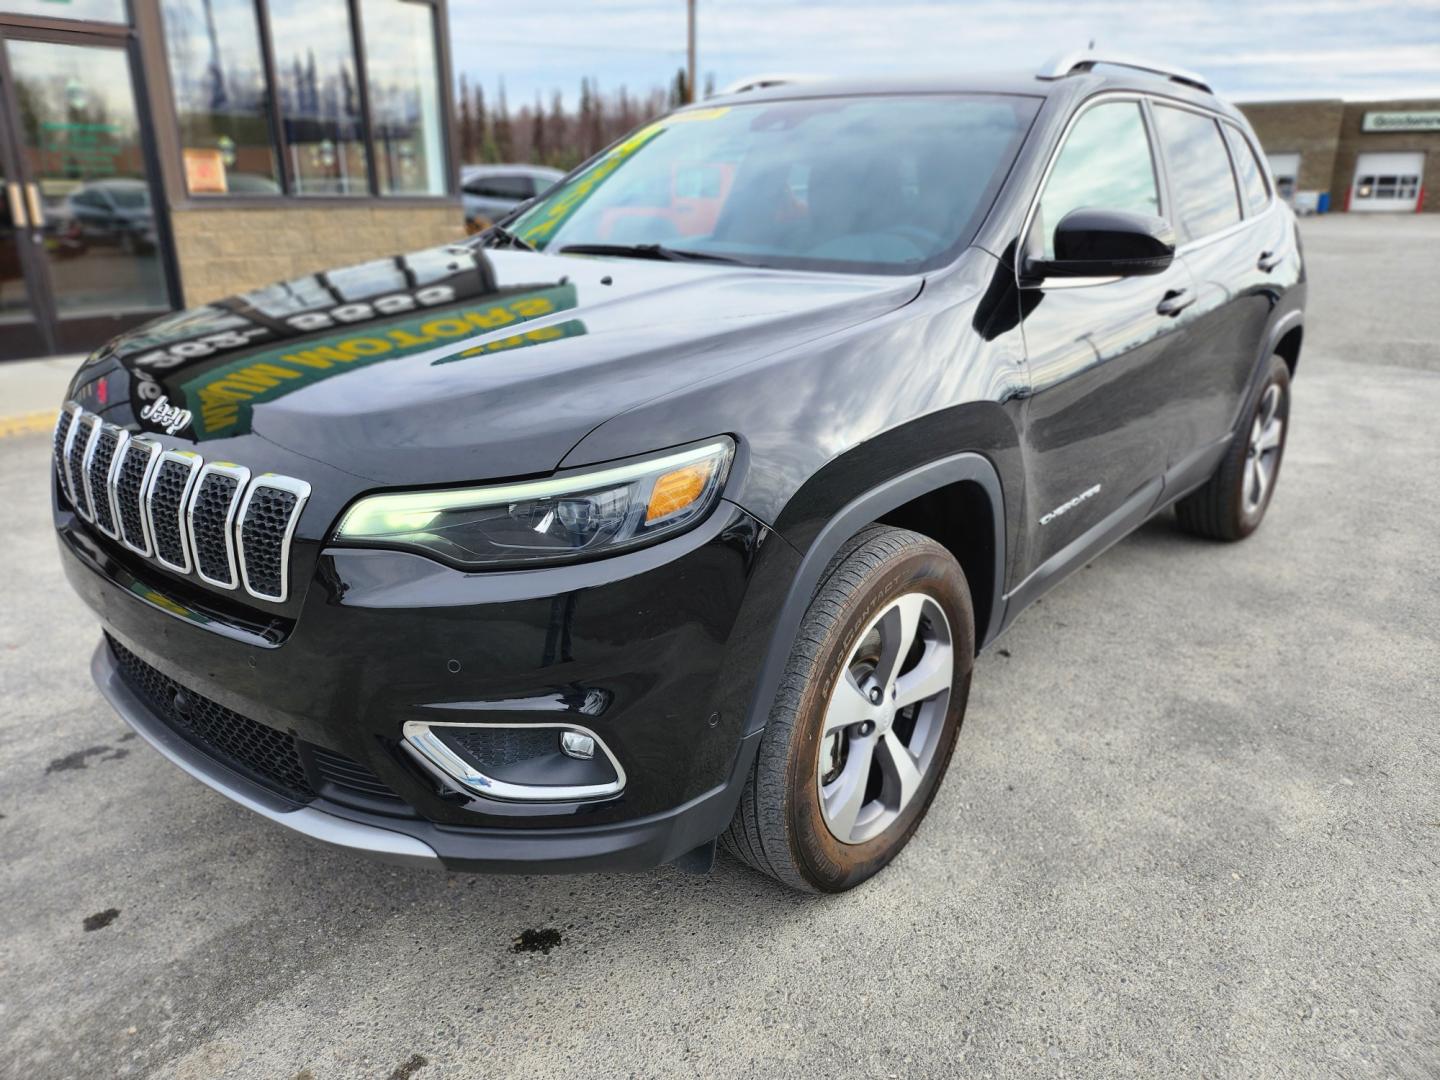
[{"x": 490, "y": 131}]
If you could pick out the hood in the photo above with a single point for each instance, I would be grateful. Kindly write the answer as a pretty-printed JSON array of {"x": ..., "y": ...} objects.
[{"x": 457, "y": 363}]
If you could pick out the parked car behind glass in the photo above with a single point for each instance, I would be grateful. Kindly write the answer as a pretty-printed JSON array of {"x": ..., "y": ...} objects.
[{"x": 492, "y": 191}]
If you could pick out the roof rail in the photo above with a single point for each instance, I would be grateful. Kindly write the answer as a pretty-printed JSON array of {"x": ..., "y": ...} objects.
[
  {"x": 1057, "y": 67},
  {"x": 760, "y": 82}
]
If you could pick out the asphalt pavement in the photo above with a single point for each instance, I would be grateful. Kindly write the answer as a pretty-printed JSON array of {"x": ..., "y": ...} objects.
[{"x": 1192, "y": 827}]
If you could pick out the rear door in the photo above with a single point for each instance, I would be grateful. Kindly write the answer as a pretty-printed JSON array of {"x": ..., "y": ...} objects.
[
  {"x": 1231, "y": 242},
  {"x": 1102, "y": 353}
]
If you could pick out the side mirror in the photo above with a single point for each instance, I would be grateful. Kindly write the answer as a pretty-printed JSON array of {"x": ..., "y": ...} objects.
[{"x": 1107, "y": 243}]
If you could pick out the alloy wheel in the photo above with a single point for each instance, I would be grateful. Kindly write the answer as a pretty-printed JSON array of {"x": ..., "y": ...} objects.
[
  {"x": 1263, "y": 457},
  {"x": 885, "y": 717}
]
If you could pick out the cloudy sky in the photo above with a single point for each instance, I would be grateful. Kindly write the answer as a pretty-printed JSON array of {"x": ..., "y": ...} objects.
[{"x": 1249, "y": 48}]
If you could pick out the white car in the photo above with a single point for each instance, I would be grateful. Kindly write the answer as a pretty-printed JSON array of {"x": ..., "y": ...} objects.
[{"x": 492, "y": 191}]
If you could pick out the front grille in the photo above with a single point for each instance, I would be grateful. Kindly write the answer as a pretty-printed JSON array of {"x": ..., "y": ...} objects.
[
  {"x": 167, "y": 495},
  {"x": 212, "y": 519},
  {"x": 131, "y": 480},
  {"x": 267, "y": 756},
  {"x": 85, "y": 426},
  {"x": 351, "y": 775},
  {"x": 98, "y": 475},
  {"x": 212, "y": 512},
  {"x": 62, "y": 433},
  {"x": 264, "y": 537}
]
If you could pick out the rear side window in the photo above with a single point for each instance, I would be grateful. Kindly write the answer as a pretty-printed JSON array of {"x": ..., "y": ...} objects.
[
  {"x": 1105, "y": 164},
  {"x": 501, "y": 187},
  {"x": 1199, "y": 166},
  {"x": 1252, "y": 177}
]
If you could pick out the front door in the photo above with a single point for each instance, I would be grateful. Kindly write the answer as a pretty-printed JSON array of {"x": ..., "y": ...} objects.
[
  {"x": 81, "y": 249},
  {"x": 1101, "y": 354}
]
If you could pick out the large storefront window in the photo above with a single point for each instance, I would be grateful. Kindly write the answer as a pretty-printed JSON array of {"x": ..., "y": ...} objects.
[
  {"x": 308, "y": 136},
  {"x": 404, "y": 96},
  {"x": 319, "y": 96},
  {"x": 218, "y": 75}
]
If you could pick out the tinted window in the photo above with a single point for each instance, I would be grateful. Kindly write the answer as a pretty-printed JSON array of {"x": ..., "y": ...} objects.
[
  {"x": 501, "y": 187},
  {"x": 1252, "y": 177},
  {"x": 1105, "y": 164},
  {"x": 404, "y": 96},
  {"x": 1199, "y": 168},
  {"x": 319, "y": 96},
  {"x": 871, "y": 184},
  {"x": 220, "y": 100}
]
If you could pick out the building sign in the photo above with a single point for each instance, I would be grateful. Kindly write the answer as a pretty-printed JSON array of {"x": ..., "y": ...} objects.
[{"x": 1401, "y": 121}]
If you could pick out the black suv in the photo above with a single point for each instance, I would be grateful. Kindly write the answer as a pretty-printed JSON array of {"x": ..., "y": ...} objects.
[{"x": 675, "y": 508}]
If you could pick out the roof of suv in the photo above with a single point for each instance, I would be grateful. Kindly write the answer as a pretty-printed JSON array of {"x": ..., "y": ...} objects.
[{"x": 1077, "y": 84}]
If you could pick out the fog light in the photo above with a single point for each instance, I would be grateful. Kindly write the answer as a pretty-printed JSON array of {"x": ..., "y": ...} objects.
[{"x": 577, "y": 745}]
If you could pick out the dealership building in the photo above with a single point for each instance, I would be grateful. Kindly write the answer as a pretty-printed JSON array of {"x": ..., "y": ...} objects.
[
  {"x": 1360, "y": 156},
  {"x": 159, "y": 154}
]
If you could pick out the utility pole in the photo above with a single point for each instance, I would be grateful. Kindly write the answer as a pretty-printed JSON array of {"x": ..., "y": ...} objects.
[{"x": 690, "y": 72}]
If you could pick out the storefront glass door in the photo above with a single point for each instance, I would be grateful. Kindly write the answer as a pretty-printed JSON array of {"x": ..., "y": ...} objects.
[{"x": 88, "y": 235}]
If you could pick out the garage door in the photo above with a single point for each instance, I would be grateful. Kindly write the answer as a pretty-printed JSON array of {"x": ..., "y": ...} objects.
[{"x": 1387, "y": 181}]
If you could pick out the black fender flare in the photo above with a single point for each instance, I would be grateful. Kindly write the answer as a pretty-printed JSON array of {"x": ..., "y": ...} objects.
[{"x": 860, "y": 511}]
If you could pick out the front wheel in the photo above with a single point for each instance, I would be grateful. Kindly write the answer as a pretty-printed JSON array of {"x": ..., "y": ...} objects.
[
  {"x": 866, "y": 717},
  {"x": 1233, "y": 502}
]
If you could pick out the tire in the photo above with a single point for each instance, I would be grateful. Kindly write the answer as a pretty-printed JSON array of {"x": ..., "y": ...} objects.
[
  {"x": 794, "y": 809},
  {"x": 1229, "y": 506}
]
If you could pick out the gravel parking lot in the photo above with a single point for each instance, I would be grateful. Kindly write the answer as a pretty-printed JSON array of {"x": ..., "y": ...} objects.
[{"x": 1192, "y": 827}]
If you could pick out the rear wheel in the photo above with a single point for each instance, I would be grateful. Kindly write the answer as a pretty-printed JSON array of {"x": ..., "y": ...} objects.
[
  {"x": 1233, "y": 502},
  {"x": 866, "y": 718}
]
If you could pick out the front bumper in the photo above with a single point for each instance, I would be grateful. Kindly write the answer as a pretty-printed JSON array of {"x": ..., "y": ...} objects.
[
  {"x": 633, "y": 845},
  {"x": 655, "y": 653}
]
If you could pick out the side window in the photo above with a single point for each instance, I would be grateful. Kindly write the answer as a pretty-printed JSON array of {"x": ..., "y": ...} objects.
[
  {"x": 1104, "y": 164},
  {"x": 1252, "y": 176},
  {"x": 1200, "y": 177},
  {"x": 505, "y": 186}
]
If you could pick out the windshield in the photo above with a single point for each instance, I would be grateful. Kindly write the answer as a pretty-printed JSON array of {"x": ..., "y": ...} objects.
[{"x": 879, "y": 184}]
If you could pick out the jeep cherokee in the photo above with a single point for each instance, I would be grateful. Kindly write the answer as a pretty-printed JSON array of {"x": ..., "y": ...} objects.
[{"x": 675, "y": 508}]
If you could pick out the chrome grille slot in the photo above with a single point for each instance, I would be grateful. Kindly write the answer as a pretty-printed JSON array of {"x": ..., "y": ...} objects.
[
  {"x": 211, "y": 520},
  {"x": 102, "y": 460},
  {"x": 166, "y": 499},
  {"x": 82, "y": 436},
  {"x": 63, "y": 423},
  {"x": 219, "y": 487},
  {"x": 267, "y": 523},
  {"x": 128, "y": 483}
]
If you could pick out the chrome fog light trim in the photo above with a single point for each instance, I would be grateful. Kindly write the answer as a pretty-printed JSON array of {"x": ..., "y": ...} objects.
[{"x": 423, "y": 744}]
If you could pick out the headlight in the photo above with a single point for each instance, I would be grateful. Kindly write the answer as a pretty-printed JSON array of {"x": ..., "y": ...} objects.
[{"x": 565, "y": 517}]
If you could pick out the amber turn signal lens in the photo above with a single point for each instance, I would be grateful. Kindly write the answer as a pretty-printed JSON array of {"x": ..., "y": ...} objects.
[{"x": 677, "y": 489}]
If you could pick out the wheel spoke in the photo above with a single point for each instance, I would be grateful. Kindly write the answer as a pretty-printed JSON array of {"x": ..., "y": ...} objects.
[
  {"x": 902, "y": 775},
  {"x": 848, "y": 705},
  {"x": 846, "y": 795},
  {"x": 898, "y": 628},
  {"x": 933, "y": 675},
  {"x": 1262, "y": 481},
  {"x": 1270, "y": 436},
  {"x": 1269, "y": 405},
  {"x": 1249, "y": 492}
]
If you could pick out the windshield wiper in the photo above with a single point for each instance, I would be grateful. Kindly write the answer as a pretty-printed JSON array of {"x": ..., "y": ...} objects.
[
  {"x": 497, "y": 236},
  {"x": 650, "y": 251}
]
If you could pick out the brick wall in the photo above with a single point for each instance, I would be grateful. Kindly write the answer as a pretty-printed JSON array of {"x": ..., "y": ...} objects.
[
  {"x": 223, "y": 250},
  {"x": 1354, "y": 142},
  {"x": 1308, "y": 128}
]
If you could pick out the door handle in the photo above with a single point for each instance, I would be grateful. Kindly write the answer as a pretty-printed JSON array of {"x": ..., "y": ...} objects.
[
  {"x": 1269, "y": 260},
  {"x": 17, "y": 207},
  {"x": 1174, "y": 302},
  {"x": 37, "y": 208}
]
